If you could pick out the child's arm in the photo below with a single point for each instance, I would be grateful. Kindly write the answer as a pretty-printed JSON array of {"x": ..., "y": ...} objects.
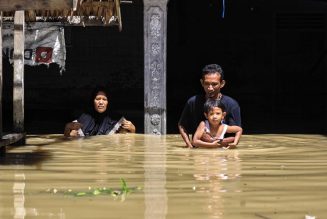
[
  {"x": 238, "y": 133},
  {"x": 197, "y": 142}
]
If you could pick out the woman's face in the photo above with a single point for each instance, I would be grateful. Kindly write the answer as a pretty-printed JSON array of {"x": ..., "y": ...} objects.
[{"x": 100, "y": 102}]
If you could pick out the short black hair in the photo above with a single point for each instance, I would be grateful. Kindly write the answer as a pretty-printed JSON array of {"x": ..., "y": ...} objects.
[
  {"x": 213, "y": 68},
  {"x": 211, "y": 103}
]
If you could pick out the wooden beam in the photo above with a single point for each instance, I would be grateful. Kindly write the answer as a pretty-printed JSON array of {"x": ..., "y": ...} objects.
[
  {"x": 8, "y": 140},
  {"x": 15, "y": 5},
  {"x": 18, "y": 86}
]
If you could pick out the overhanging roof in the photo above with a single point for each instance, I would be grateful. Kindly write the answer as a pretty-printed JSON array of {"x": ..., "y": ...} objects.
[{"x": 70, "y": 12}]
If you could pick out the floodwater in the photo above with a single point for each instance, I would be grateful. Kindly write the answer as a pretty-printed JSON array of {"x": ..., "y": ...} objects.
[{"x": 267, "y": 177}]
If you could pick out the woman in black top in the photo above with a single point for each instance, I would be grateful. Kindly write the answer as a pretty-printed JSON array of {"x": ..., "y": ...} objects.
[{"x": 97, "y": 120}]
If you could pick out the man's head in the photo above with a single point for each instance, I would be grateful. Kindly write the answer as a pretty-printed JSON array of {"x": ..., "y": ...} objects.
[
  {"x": 213, "y": 68},
  {"x": 212, "y": 80}
]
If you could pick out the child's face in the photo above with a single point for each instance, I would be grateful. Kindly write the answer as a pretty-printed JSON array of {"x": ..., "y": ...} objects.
[{"x": 215, "y": 115}]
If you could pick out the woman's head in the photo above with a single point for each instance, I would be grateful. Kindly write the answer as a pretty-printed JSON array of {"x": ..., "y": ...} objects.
[{"x": 100, "y": 99}]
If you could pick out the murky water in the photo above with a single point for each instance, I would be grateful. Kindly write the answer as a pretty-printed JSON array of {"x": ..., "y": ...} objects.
[{"x": 268, "y": 176}]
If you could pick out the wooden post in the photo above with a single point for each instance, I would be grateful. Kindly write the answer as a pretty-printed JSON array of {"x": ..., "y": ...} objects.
[
  {"x": 155, "y": 34},
  {"x": 2, "y": 148},
  {"x": 120, "y": 25},
  {"x": 18, "y": 87}
]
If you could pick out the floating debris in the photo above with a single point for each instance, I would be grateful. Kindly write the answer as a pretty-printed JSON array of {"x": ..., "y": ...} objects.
[{"x": 122, "y": 192}]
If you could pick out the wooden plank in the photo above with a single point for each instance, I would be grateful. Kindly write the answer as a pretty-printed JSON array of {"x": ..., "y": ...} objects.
[
  {"x": 1, "y": 76},
  {"x": 15, "y": 5},
  {"x": 18, "y": 87}
]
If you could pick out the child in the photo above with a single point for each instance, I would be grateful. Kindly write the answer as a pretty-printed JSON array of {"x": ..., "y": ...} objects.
[{"x": 214, "y": 112}]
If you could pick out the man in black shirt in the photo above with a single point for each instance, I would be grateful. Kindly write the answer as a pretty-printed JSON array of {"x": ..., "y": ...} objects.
[{"x": 212, "y": 81}]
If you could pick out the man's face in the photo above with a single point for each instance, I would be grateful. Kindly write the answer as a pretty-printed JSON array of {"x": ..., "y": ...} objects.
[
  {"x": 212, "y": 84},
  {"x": 100, "y": 102}
]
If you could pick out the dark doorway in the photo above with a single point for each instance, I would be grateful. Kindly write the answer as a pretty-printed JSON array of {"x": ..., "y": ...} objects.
[
  {"x": 96, "y": 55},
  {"x": 273, "y": 54}
]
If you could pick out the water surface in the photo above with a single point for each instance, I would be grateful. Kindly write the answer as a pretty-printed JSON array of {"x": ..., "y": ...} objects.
[{"x": 268, "y": 176}]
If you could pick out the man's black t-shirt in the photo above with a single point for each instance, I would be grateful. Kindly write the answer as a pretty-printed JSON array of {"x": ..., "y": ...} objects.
[{"x": 192, "y": 114}]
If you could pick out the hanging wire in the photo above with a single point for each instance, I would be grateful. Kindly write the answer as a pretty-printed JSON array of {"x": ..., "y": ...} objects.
[{"x": 223, "y": 9}]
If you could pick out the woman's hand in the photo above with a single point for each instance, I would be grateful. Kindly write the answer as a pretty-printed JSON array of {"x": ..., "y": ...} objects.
[
  {"x": 127, "y": 126},
  {"x": 71, "y": 129}
]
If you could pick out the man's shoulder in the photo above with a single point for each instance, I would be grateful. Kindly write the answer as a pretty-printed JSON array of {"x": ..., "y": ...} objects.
[
  {"x": 196, "y": 98},
  {"x": 229, "y": 101}
]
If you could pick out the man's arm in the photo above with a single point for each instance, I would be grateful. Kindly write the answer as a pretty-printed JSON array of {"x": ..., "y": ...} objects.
[
  {"x": 185, "y": 136},
  {"x": 238, "y": 134}
]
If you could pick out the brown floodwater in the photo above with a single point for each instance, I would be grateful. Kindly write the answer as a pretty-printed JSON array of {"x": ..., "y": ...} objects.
[{"x": 267, "y": 177}]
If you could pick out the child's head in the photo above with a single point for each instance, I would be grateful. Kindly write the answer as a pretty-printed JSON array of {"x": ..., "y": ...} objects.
[
  {"x": 210, "y": 104},
  {"x": 214, "y": 110}
]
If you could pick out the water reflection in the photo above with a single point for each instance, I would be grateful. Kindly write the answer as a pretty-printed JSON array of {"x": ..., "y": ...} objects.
[
  {"x": 19, "y": 197},
  {"x": 219, "y": 170},
  {"x": 35, "y": 157},
  {"x": 155, "y": 177},
  {"x": 103, "y": 157}
]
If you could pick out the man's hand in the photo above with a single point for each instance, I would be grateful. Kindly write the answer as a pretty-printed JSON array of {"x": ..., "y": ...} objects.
[
  {"x": 229, "y": 143},
  {"x": 231, "y": 146}
]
